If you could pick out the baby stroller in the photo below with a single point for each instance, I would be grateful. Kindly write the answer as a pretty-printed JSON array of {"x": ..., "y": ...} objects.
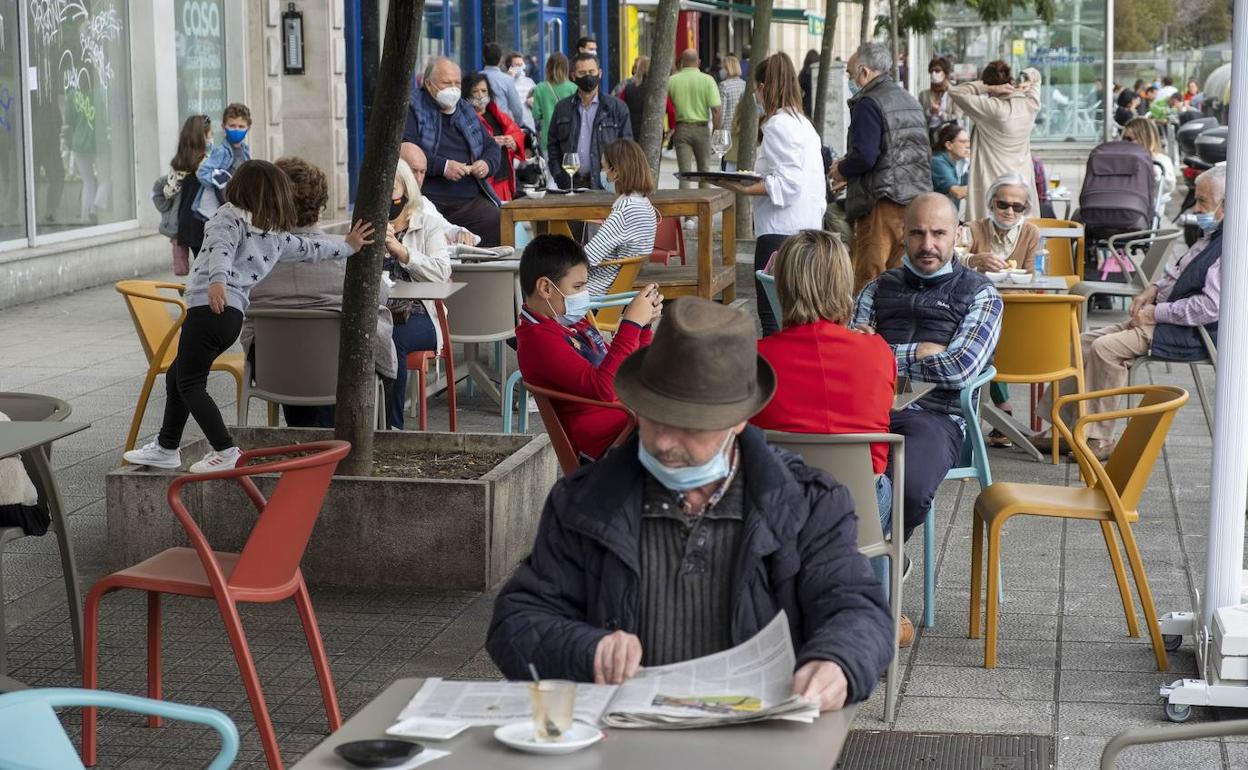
[{"x": 1121, "y": 194}]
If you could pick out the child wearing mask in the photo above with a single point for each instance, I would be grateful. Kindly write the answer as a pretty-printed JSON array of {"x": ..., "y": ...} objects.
[
  {"x": 558, "y": 346},
  {"x": 246, "y": 237},
  {"x": 630, "y": 228},
  {"x": 224, "y": 159}
]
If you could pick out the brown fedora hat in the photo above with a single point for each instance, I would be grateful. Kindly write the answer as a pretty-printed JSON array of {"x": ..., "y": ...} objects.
[{"x": 701, "y": 372}]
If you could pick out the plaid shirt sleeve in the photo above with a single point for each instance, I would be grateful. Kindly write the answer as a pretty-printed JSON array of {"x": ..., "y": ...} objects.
[
  {"x": 864, "y": 308},
  {"x": 969, "y": 351}
]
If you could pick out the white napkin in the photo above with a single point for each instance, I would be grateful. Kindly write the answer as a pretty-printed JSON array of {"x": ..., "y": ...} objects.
[{"x": 423, "y": 758}]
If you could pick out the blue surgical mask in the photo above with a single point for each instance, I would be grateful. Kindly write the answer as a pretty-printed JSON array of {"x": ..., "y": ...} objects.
[
  {"x": 854, "y": 88},
  {"x": 946, "y": 270},
  {"x": 691, "y": 476},
  {"x": 1206, "y": 221},
  {"x": 235, "y": 135},
  {"x": 607, "y": 184},
  {"x": 575, "y": 306}
]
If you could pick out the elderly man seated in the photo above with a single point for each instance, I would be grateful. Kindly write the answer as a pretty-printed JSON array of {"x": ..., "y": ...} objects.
[
  {"x": 1163, "y": 318},
  {"x": 415, "y": 158},
  {"x": 691, "y": 537},
  {"x": 942, "y": 321},
  {"x": 463, "y": 157}
]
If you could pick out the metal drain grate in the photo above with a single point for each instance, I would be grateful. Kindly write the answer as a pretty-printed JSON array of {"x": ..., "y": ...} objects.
[{"x": 881, "y": 750}]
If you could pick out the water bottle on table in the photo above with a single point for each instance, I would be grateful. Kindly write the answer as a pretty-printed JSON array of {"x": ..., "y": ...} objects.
[{"x": 1042, "y": 260}]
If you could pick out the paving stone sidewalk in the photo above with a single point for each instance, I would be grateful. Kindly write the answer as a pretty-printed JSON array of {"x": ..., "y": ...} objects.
[{"x": 1066, "y": 668}]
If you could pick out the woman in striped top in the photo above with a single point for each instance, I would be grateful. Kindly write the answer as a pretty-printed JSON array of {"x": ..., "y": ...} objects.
[{"x": 629, "y": 230}]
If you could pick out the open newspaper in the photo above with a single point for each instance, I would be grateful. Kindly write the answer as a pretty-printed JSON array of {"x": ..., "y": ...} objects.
[{"x": 748, "y": 683}]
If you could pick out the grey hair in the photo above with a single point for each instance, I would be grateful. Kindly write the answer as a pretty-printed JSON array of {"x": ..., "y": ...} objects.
[
  {"x": 1216, "y": 177},
  {"x": 433, "y": 64},
  {"x": 874, "y": 56},
  {"x": 1007, "y": 180}
]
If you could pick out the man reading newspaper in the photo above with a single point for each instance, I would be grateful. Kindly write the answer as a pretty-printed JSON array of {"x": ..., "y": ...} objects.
[{"x": 690, "y": 538}]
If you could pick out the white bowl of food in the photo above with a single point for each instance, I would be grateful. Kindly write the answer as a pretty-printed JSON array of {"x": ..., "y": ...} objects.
[
  {"x": 535, "y": 193},
  {"x": 997, "y": 276},
  {"x": 1020, "y": 276}
]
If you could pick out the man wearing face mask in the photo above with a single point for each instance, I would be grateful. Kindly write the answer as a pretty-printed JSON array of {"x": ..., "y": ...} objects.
[
  {"x": 693, "y": 535},
  {"x": 887, "y": 161},
  {"x": 524, "y": 87},
  {"x": 462, "y": 156},
  {"x": 585, "y": 123},
  {"x": 502, "y": 84},
  {"x": 558, "y": 347},
  {"x": 1163, "y": 318},
  {"x": 942, "y": 320}
]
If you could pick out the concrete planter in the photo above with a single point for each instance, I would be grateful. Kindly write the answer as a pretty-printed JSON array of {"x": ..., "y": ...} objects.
[{"x": 372, "y": 532}]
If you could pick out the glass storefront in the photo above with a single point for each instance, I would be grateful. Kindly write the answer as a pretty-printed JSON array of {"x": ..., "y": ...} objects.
[
  {"x": 12, "y": 167},
  {"x": 200, "y": 30},
  {"x": 1069, "y": 53}
]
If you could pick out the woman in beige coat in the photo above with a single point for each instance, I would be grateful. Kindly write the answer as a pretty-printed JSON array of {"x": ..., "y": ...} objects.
[{"x": 1003, "y": 115}]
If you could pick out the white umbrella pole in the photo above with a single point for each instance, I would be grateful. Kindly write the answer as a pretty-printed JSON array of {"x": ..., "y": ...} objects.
[{"x": 1230, "y": 450}]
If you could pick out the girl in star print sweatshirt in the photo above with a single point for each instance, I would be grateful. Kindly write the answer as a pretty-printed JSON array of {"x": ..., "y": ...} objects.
[{"x": 244, "y": 239}]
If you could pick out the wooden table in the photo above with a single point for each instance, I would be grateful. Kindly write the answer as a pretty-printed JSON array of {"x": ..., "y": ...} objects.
[
  {"x": 33, "y": 440},
  {"x": 790, "y": 745},
  {"x": 704, "y": 279}
]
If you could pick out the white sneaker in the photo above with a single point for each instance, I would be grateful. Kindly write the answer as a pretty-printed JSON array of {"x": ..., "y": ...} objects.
[
  {"x": 218, "y": 461},
  {"x": 155, "y": 456}
]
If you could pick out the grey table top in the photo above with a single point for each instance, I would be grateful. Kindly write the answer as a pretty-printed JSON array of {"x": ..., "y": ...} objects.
[
  {"x": 791, "y": 745},
  {"x": 917, "y": 390},
  {"x": 1038, "y": 283},
  {"x": 17, "y": 437},
  {"x": 424, "y": 289}
]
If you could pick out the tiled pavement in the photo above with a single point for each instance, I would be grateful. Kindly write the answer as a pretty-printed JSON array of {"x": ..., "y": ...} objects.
[{"x": 1066, "y": 667}]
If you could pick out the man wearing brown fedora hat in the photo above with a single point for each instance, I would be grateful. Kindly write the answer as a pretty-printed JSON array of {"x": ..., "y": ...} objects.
[{"x": 692, "y": 536}]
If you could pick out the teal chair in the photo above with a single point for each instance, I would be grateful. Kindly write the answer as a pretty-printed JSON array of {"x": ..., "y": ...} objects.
[
  {"x": 768, "y": 282},
  {"x": 511, "y": 402},
  {"x": 31, "y": 736},
  {"x": 973, "y": 464}
]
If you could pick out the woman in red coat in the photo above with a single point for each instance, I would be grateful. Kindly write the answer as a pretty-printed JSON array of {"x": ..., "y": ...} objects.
[{"x": 506, "y": 133}]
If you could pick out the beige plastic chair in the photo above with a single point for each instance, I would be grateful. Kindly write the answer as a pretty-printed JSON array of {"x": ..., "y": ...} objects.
[
  {"x": 484, "y": 311},
  {"x": 847, "y": 457},
  {"x": 296, "y": 361}
]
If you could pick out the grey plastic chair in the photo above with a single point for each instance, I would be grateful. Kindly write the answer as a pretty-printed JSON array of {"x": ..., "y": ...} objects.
[
  {"x": 1210, "y": 360},
  {"x": 848, "y": 458},
  {"x": 296, "y": 361},
  {"x": 30, "y": 407},
  {"x": 1147, "y": 249},
  {"x": 484, "y": 311}
]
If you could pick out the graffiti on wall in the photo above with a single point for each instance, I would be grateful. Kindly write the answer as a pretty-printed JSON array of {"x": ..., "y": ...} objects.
[{"x": 70, "y": 45}]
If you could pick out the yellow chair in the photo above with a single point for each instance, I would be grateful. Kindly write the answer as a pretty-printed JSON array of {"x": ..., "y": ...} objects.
[
  {"x": 1111, "y": 494},
  {"x": 1065, "y": 241},
  {"x": 158, "y": 331},
  {"x": 608, "y": 318},
  {"x": 1040, "y": 343}
]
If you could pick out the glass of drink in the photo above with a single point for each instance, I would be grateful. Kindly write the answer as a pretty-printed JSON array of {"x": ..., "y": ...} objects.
[
  {"x": 571, "y": 164},
  {"x": 553, "y": 700},
  {"x": 721, "y": 140},
  {"x": 962, "y": 243},
  {"x": 1055, "y": 181}
]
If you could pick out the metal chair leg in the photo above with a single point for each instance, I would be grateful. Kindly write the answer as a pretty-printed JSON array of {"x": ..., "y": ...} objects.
[
  {"x": 1200, "y": 393},
  {"x": 69, "y": 569},
  {"x": 929, "y": 568}
]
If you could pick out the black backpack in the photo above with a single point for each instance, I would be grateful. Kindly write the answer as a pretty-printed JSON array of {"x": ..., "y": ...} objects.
[{"x": 1118, "y": 191}]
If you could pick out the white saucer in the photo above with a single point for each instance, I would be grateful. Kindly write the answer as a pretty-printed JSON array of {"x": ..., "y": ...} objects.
[{"x": 519, "y": 735}]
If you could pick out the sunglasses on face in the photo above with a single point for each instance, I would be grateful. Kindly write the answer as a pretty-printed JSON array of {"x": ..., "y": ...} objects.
[{"x": 1019, "y": 208}]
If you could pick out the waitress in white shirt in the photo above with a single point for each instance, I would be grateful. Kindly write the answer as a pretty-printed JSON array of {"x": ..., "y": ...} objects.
[{"x": 792, "y": 195}]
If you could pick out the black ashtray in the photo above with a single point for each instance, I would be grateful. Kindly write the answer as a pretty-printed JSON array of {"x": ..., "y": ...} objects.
[{"x": 381, "y": 752}]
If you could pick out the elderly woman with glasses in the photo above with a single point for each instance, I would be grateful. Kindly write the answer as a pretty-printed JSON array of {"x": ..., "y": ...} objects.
[{"x": 1004, "y": 238}]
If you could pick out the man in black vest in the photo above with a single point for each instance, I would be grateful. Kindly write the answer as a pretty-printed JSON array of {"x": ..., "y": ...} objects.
[
  {"x": 887, "y": 161},
  {"x": 1164, "y": 318},
  {"x": 942, "y": 320}
]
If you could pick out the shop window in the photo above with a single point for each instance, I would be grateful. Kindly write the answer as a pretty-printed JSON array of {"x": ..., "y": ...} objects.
[
  {"x": 12, "y": 167},
  {"x": 200, "y": 29}
]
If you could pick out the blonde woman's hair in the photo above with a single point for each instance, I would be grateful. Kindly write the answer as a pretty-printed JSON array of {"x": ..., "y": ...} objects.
[
  {"x": 814, "y": 279},
  {"x": 732, "y": 66},
  {"x": 415, "y": 202},
  {"x": 1144, "y": 133}
]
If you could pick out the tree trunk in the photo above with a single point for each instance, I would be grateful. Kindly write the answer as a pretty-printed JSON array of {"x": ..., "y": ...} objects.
[
  {"x": 747, "y": 142},
  {"x": 825, "y": 64},
  {"x": 864, "y": 33},
  {"x": 361, "y": 288},
  {"x": 662, "y": 50}
]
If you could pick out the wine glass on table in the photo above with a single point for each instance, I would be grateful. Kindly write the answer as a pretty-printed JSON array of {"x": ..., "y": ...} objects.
[
  {"x": 721, "y": 141},
  {"x": 571, "y": 164},
  {"x": 962, "y": 242}
]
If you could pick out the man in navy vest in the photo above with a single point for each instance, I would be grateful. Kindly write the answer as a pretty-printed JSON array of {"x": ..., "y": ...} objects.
[
  {"x": 942, "y": 320},
  {"x": 1164, "y": 318}
]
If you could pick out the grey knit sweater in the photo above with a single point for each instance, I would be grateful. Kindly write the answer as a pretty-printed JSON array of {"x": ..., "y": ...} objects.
[{"x": 239, "y": 255}]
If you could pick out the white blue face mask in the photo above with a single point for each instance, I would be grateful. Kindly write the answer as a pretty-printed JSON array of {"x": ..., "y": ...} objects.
[
  {"x": 691, "y": 476},
  {"x": 575, "y": 306},
  {"x": 854, "y": 88},
  {"x": 607, "y": 184},
  {"x": 235, "y": 135},
  {"x": 1206, "y": 221},
  {"x": 945, "y": 270}
]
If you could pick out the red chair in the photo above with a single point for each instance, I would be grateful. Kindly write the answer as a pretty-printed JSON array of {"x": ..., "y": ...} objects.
[
  {"x": 569, "y": 459},
  {"x": 266, "y": 571},
  {"x": 418, "y": 361},
  {"x": 669, "y": 241}
]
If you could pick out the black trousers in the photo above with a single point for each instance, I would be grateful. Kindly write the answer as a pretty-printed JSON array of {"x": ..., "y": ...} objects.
[
  {"x": 477, "y": 213},
  {"x": 933, "y": 444},
  {"x": 205, "y": 335},
  {"x": 764, "y": 247}
]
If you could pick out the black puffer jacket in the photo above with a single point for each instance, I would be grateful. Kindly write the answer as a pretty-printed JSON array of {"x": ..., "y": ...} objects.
[{"x": 798, "y": 553}]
